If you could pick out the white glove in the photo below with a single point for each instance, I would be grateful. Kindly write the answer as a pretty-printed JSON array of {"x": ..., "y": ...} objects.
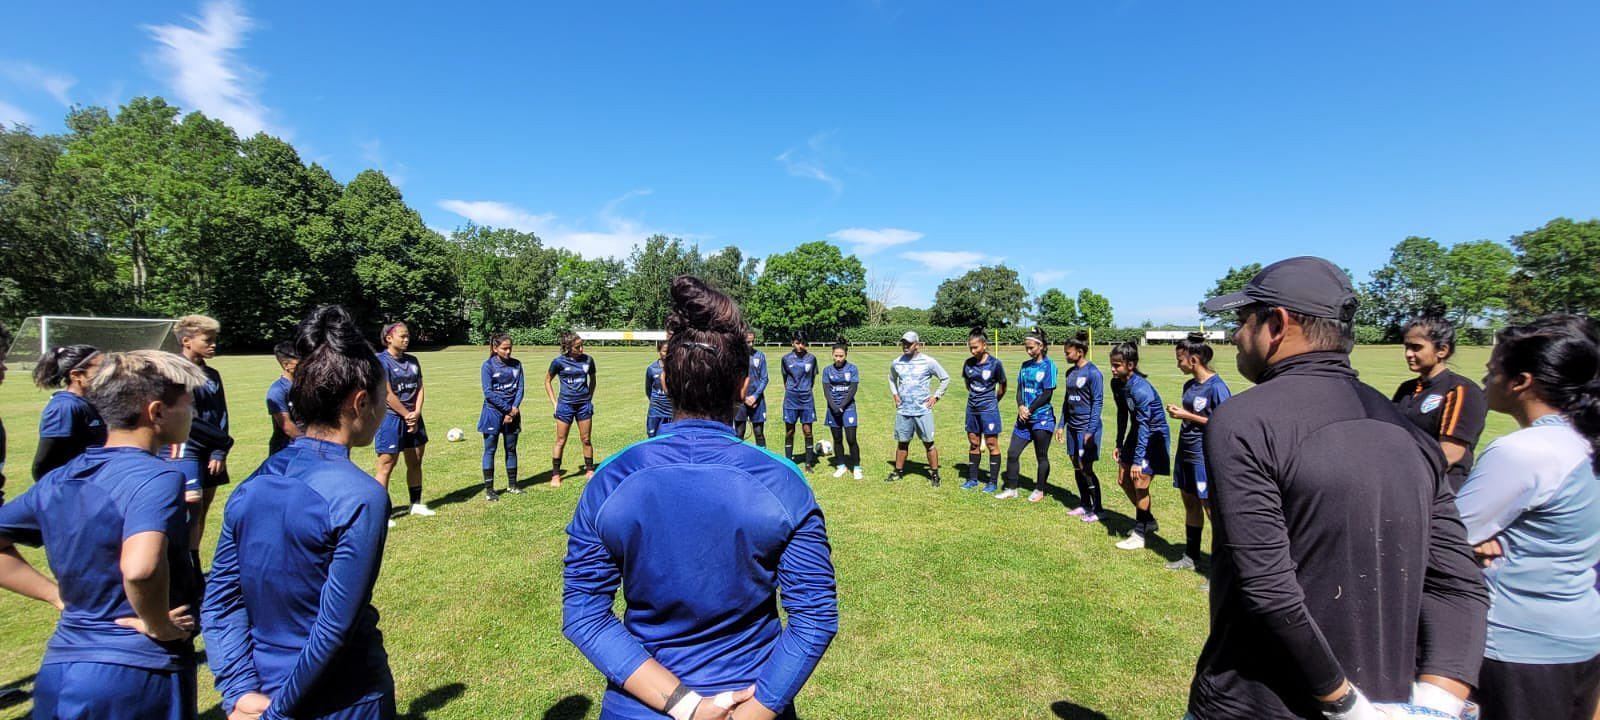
[
  {"x": 1408, "y": 711},
  {"x": 1362, "y": 710}
]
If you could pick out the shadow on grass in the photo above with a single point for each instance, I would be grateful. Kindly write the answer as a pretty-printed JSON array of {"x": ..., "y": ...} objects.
[
  {"x": 12, "y": 694},
  {"x": 571, "y": 707},
  {"x": 1068, "y": 710},
  {"x": 433, "y": 700}
]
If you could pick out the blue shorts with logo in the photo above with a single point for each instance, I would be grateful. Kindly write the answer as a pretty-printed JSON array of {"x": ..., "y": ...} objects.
[
  {"x": 757, "y": 414},
  {"x": 104, "y": 690},
  {"x": 1189, "y": 475},
  {"x": 1156, "y": 461},
  {"x": 568, "y": 412},
  {"x": 653, "y": 423},
  {"x": 806, "y": 414},
  {"x": 845, "y": 419},
  {"x": 196, "y": 470},
  {"x": 1026, "y": 428},
  {"x": 983, "y": 422},
  {"x": 393, "y": 437},
  {"x": 1083, "y": 446}
]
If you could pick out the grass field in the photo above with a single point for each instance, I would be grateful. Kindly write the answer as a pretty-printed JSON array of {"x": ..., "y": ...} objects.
[{"x": 953, "y": 605}]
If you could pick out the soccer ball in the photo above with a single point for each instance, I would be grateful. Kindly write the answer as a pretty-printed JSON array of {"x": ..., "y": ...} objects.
[
  {"x": 455, "y": 435},
  {"x": 824, "y": 447}
]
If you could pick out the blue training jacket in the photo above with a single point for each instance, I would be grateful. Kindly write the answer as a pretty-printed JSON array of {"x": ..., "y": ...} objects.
[
  {"x": 288, "y": 609},
  {"x": 701, "y": 532}
]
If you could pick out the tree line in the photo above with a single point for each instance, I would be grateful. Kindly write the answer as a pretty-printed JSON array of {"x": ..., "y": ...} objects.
[{"x": 150, "y": 211}]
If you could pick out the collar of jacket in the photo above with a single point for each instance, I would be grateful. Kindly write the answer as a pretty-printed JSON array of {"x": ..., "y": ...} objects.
[{"x": 1325, "y": 363}]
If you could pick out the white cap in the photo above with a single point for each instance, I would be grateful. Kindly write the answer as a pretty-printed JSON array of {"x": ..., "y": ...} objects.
[{"x": 911, "y": 336}]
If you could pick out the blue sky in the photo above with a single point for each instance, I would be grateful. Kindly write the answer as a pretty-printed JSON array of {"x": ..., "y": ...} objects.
[{"x": 1137, "y": 148}]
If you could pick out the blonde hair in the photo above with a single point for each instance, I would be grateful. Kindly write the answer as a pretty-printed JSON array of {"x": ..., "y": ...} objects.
[
  {"x": 189, "y": 326},
  {"x": 127, "y": 382}
]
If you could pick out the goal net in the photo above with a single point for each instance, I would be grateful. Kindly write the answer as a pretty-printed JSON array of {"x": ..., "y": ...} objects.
[{"x": 40, "y": 334}]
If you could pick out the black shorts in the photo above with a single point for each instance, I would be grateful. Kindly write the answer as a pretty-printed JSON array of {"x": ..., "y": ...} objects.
[{"x": 1546, "y": 692}]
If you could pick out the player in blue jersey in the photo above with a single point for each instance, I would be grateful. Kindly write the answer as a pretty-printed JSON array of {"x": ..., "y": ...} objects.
[
  {"x": 840, "y": 381},
  {"x": 1142, "y": 451},
  {"x": 753, "y": 409},
  {"x": 706, "y": 537},
  {"x": 1203, "y": 393},
  {"x": 289, "y": 625},
  {"x": 403, "y": 431},
  {"x": 985, "y": 377},
  {"x": 69, "y": 424},
  {"x": 799, "y": 370},
  {"x": 1036, "y": 416},
  {"x": 203, "y": 459},
  {"x": 573, "y": 404},
  {"x": 280, "y": 412},
  {"x": 500, "y": 420},
  {"x": 655, "y": 394},
  {"x": 112, "y": 525},
  {"x": 1084, "y": 388}
]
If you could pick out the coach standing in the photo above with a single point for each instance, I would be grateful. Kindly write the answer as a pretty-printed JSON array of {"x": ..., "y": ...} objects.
[{"x": 1339, "y": 559}]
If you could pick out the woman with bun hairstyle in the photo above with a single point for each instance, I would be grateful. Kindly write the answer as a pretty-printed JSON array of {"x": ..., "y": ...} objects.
[
  {"x": 500, "y": 421},
  {"x": 1203, "y": 393},
  {"x": 1036, "y": 417},
  {"x": 292, "y": 633},
  {"x": 403, "y": 432},
  {"x": 69, "y": 424},
  {"x": 574, "y": 404},
  {"x": 1531, "y": 506},
  {"x": 1142, "y": 451},
  {"x": 1444, "y": 404},
  {"x": 705, "y": 535},
  {"x": 1085, "y": 390},
  {"x": 113, "y": 527}
]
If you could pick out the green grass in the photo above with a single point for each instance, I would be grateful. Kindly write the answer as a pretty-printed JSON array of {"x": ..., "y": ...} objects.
[{"x": 953, "y": 605}]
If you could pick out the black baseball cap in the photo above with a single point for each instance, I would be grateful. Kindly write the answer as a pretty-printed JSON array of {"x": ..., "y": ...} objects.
[{"x": 1306, "y": 285}]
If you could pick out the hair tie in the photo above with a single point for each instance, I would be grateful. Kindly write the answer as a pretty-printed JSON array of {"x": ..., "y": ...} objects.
[{"x": 702, "y": 346}]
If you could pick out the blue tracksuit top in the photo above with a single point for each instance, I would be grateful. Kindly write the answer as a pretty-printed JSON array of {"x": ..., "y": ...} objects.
[
  {"x": 799, "y": 380},
  {"x": 758, "y": 374},
  {"x": 656, "y": 393},
  {"x": 701, "y": 532},
  {"x": 288, "y": 609},
  {"x": 1148, "y": 419},
  {"x": 1086, "y": 397},
  {"x": 81, "y": 513},
  {"x": 503, "y": 384}
]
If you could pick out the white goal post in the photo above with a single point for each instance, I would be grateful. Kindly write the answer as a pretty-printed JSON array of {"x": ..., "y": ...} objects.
[
  {"x": 1172, "y": 336},
  {"x": 624, "y": 335},
  {"x": 42, "y": 333}
]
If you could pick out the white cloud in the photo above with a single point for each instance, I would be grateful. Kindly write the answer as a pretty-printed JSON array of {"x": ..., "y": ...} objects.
[
  {"x": 1046, "y": 277},
  {"x": 615, "y": 238},
  {"x": 53, "y": 83},
  {"x": 372, "y": 152},
  {"x": 948, "y": 261},
  {"x": 807, "y": 162},
  {"x": 11, "y": 114},
  {"x": 867, "y": 241},
  {"x": 204, "y": 70}
]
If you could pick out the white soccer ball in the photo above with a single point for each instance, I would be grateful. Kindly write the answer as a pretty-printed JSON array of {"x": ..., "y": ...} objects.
[
  {"x": 824, "y": 447},
  {"x": 455, "y": 435}
]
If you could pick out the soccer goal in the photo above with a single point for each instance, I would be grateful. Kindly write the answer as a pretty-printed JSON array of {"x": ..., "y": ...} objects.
[{"x": 40, "y": 334}]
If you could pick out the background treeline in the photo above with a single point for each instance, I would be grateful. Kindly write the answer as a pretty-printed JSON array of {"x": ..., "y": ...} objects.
[{"x": 149, "y": 211}]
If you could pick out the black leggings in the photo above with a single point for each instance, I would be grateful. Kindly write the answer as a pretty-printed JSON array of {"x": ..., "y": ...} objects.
[
  {"x": 1041, "y": 452},
  {"x": 853, "y": 459},
  {"x": 1088, "y": 485},
  {"x": 759, "y": 428}
]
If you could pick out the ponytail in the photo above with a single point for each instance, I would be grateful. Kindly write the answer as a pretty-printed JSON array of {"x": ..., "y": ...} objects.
[
  {"x": 1129, "y": 353},
  {"x": 1195, "y": 346},
  {"x": 335, "y": 361},
  {"x": 1079, "y": 340},
  {"x": 55, "y": 367},
  {"x": 1562, "y": 355}
]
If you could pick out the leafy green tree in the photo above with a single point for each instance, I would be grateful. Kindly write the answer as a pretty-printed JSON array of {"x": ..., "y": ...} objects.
[
  {"x": 814, "y": 289},
  {"x": 731, "y": 272},
  {"x": 648, "y": 284},
  {"x": 586, "y": 292},
  {"x": 1055, "y": 308},
  {"x": 47, "y": 264},
  {"x": 507, "y": 279},
  {"x": 1479, "y": 280},
  {"x": 1411, "y": 284},
  {"x": 991, "y": 296},
  {"x": 403, "y": 269},
  {"x": 1558, "y": 269},
  {"x": 902, "y": 315},
  {"x": 1094, "y": 310},
  {"x": 1231, "y": 282}
]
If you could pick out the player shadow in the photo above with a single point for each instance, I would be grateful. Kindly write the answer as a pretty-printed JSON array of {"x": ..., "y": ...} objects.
[
  {"x": 1068, "y": 710},
  {"x": 13, "y": 694},
  {"x": 571, "y": 707},
  {"x": 915, "y": 471},
  {"x": 433, "y": 700}
]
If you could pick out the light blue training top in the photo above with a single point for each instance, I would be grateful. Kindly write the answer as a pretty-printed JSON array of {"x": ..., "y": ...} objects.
[{"x": 1535, "y": 490}]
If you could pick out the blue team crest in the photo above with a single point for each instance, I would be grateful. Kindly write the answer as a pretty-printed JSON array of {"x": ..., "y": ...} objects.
[
  {"x": 755, "y": 362},
  {"x": 1431, "y": 403},
  {"x": 1200, "y": 404},
  {"x": 848, "y": 378},
  {"x": 1039, "y": 376},
  {"x": 1082, "y": 380},
  {"x": 986, "y": 374}
]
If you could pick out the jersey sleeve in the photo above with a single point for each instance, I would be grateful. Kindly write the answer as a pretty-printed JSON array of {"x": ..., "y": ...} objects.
[
  {"x": 522, "y": 386},
  {"x": 811, "y": 606},
  {"x": 1140, "y": 399},
  {"x": 19, "y": 519},
  {"x": 486, "y": 380},
  {"x": 590, "y": 579},
  {"x": 1049, "y": 377},
  {"x": 758, "y": 383},
  {"x": 555, "y": 368},
  {"x": 999, "y": 373},
  {"x": 277, "y": 403},
  {"x": 1097, "y": 402},
  {"x": 55, "y": 421},
  {"x": 944, "y": 378},
  {"x": 225, "y": 622},
  {"x": 1454, "y": 624},
  {"x": 1500, "y": 489},
  {"x": 1465, "y": 411},
  {"x": 155, "y": 506}
]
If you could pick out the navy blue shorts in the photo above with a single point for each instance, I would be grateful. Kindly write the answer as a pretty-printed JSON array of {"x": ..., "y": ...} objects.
[
  {"x": 1156, "y": 461},
  {"x": 568, "y": 412},
  {"x": 846, "y": 419},
  {"x": 1190, "y": 477},
  {"x": 113, "y": 692},
  {"x": 196, "y": 470},
  {"x": 806, "y": 414},
  {"x": 393, "y": 436},
  {"x": 1083, "y": 446},
  {"x": 983, "y": 422},
  {"x": 757, "y": 414},
  {"x": 489, "y": 421},
  {"x": 1026, "y": 429},
  {"x": 653, "y": 423}
]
